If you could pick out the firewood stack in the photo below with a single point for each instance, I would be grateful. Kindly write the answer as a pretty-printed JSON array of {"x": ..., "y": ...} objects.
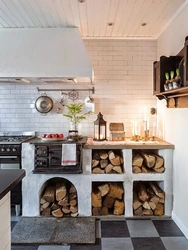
[
  {"x": 59, "y": 199},
  {"x": 107, "y": 162},
  {"x": 145, "y": 163},
  {"x": 148, "y": 199},
  {"x": 107, "y": 198}
]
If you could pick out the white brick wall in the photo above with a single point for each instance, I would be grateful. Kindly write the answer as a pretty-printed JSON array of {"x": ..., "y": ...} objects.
[{"x": 123, "y": 88}]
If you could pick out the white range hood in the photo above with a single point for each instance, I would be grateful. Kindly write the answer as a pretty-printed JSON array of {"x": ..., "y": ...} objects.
[{"x": 44, "y": 55}]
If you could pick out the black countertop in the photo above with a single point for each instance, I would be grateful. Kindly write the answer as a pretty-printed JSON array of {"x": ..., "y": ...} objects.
[{"x": 9, "y": 178}]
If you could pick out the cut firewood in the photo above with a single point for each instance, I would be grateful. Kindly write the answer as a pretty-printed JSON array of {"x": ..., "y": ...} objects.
[
  {"x": 154, "y": 199},
  {"x": 74, "y": 214},
  {"x": 109, "y": 201},
  {"x": 104, "y": 211},
  {"x": 136, "y": 202},
  {"x": 96, "y": 156},
  {"x": 137, "y": 160},
  {"x": 159, "y": 162},
  {"x": 46, "y": 211},
  {"x": 142, "y": 193},
  {"x": 61, "y": 190},
  {"x": 159, "y": 170},
  {"x": 96, "y": 198},
  {"x": 116, "y": 190},
  {"x": 158, "y": 191},
  {"x": 161, "y": 200},
  {"x": 159, "y": 211},
  {"x": 146, "y": 205},
  {"x": 42, "y": 201},
  {"x": 98, "y": 171},
  {"x": 104, "y": 189},
  {"x": 119, "y": 207},
  {"x": 57, "y": 213},
  {"x": 72, "y": 196},
  {"x": 95, "y": 163},
  {"x": 147, "y": 212},
  {"x": 118, "y": 169},
  {"x": 72, "y": 189},
  {"x": 49, "y": 194},
  {"x": 149, "y": 160},
  {"x": 64, "y": 201},
  {"x": 115, "y": 161},
  {"x": 109, "y": 168},
  {"x": 136, "y": 170},
  {"x": 73, "y": 202},
  {"x": 103, "y": 163},
  {"x": 45, "y": 205},
  {"x": 138, "y": 211},
  {"x": 144, "y": 169},
  {"x": 74, "y": 209},
  {"x": 103, "y": 155},
  {"x": 111, "y": 155},
  {"x": 96, "y": 211},
  {"x": 54, "y": 206},
  {"x": 152, "y": 205},
  {"x": 66, "y": 210}
]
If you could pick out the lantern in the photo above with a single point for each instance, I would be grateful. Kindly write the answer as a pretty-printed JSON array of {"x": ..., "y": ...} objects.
[{"x": 99, "y": 128}]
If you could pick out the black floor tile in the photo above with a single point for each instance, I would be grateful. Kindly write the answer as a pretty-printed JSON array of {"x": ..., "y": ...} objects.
[
  {"x": 96, "y": 246},
  {"x": 24, "y": 247},
  {"x": 13, "y": 223},
  {"x": 114, "y": 229},
  {"x": 167, "y": 228},
  {"x": 150, "y": 243}
]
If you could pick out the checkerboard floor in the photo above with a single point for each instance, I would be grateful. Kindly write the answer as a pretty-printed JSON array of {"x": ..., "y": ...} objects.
[{"x": 128, "y": 234}]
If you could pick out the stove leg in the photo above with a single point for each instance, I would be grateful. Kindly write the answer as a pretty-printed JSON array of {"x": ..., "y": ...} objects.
[{"x": 17, "y": 210}]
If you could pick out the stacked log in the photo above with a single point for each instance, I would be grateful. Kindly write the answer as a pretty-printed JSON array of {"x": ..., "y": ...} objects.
[
  {"x": 148, "y": 199},
  {"x": 107, "y": 162},
  {"x": 59, "y": 199},
  {"x": 107, "y": 198},
  {"x": 145, "y": 163}
]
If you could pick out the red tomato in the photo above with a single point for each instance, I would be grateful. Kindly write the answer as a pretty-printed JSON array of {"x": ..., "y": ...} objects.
[
  {"x": 48, "y": 136},
  {"x": 60, "y": 135},
  {"x": 54, "y": 135}
]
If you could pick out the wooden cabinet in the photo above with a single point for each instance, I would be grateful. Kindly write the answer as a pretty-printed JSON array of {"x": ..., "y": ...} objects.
[{"x": 175, "y": 98}]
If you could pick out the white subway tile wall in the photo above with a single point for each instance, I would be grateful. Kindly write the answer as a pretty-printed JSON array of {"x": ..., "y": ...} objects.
[{"x": 123, "y": 89}]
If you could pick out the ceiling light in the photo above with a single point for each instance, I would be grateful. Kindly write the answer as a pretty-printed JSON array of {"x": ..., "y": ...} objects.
[
  {"x": 81, "y": 1},
  {"x": 110, "y": 24},
  {"x": 143, "y": 24}
]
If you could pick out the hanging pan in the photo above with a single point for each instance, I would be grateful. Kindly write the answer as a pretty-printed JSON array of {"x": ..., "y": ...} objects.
[{"x": 44, "y": 104}]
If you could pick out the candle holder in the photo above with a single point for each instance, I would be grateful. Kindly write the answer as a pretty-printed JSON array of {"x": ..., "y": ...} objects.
[
  {"x": 146, "y": 135},
  {"x": 153, "y": 138}
]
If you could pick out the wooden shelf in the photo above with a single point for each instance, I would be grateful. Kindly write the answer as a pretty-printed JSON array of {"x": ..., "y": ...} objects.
[{"x": 176, "y": 98}]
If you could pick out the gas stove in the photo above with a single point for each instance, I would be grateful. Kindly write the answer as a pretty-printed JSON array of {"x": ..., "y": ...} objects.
[{"x": 15, "y": 137}]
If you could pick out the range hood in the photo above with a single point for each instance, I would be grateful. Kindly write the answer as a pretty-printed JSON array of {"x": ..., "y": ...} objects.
[{"x": 44, "y": 55}]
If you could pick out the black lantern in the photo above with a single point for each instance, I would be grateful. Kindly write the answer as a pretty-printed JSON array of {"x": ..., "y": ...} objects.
[{"x": 99, "y": 128}]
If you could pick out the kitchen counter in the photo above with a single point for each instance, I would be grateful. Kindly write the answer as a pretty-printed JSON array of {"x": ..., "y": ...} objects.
[
  {"x": 9, "y": 178},
  {"x": 128, "y": 144}
]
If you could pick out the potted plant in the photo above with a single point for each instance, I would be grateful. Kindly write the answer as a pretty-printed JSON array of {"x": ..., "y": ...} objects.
[{"x": 75, "y": 114}]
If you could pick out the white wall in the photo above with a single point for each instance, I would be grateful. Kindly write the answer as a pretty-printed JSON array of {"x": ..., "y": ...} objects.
[
  {"x": 123, "y": 87},
  {"x": 170, "y": 43}
]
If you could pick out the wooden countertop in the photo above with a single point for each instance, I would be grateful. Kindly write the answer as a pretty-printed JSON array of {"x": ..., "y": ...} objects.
[
  {"x": 9, "y": 178},
  {"x": 128, "y": 144}
]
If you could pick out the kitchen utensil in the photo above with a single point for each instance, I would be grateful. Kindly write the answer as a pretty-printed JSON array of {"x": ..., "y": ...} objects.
[{"x": 44, "y": 104}]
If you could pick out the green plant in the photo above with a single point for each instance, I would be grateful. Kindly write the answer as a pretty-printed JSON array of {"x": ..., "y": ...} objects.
[{"x": 75, "y": 113}]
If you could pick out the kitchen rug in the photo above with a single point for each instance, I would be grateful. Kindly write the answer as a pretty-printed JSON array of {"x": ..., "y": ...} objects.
[{"x": 51, "y": 230}]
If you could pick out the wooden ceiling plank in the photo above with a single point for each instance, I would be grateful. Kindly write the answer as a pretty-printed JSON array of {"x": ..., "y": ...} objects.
[
  {"x": 83, "y": 18},
  {"x": 60, "y": 12},
  {"x": 153, "y": 16},
  {"x": 97, "y": 17},
  {"x": 50, "y": 7},
  {"x": 68, "y": 13},
  {"x": 46, "y": 11},
  {"x": 76, "y": 14},
  {"x": 112, "y": 13},
  {"x": 91, "y": 17},
  {"x": 127, "y": 14},
  {"x": 30, "y": 13},
  {"x": 165, "y": 15},
  {"x": 36, "y": 9},
  {"x": 6, "y": 19},
  {"x": 6, "y": 7}
]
